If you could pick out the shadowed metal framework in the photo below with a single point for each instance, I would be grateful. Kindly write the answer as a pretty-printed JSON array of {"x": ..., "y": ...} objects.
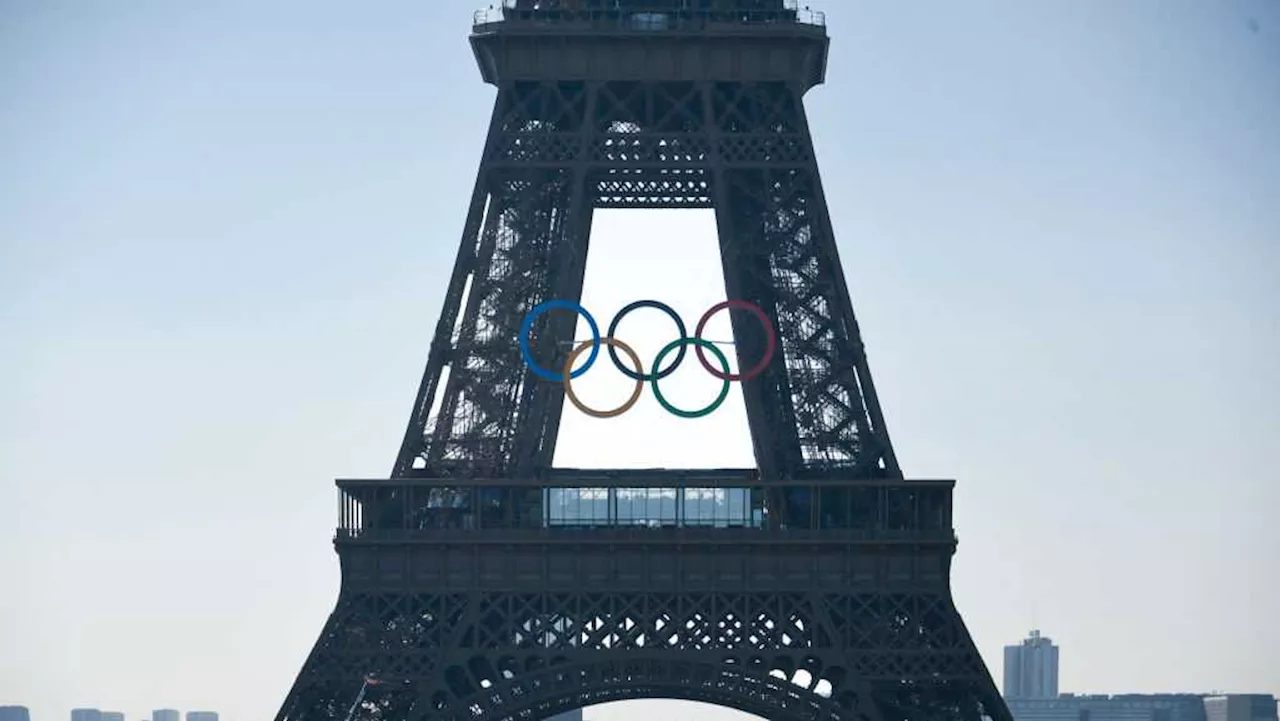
[{"x": 481, "y": 583}]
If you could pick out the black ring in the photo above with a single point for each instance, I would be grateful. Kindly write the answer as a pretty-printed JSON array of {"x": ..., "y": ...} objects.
[{"x": 648, "y": 377}]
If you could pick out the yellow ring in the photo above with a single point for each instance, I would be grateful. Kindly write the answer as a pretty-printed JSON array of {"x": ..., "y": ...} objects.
[{"x": 568, "y": 381}]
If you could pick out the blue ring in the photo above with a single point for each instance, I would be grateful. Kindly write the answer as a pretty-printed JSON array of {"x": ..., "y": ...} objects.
[{"x": 527, "y": 328}]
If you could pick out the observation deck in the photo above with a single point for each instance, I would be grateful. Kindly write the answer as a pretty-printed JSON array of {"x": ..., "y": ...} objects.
[
  {"x": 615, "y": 530},
  {"x": 579, "y": 506},
  {"x": 675, "y": 40}
]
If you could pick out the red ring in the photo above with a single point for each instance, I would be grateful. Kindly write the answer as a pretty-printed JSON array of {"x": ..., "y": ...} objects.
[{"x": 770, "y": 346}]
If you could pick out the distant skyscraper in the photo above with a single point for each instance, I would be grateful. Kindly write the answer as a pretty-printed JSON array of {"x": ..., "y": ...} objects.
[
  {"x": 202, "y": 716},
  {"x": 166, "y": 714},
  {"x": 1240, "y": 707},
  {"x": 112, "y": 716},
  {"x": 14, "y": 713},
  {"x": 86, "y": 714},
  {"x": 1031, "y": 669}
]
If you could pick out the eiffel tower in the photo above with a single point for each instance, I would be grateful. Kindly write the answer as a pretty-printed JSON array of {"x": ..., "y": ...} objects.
[{"x": 817, "y": 586}]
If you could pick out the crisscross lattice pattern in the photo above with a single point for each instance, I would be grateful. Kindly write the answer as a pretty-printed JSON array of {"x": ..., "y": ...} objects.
[
  {"x": 559, "y": 149},
  {"x": 449, "y": 623},
  {"x": 780, "y": 655}
]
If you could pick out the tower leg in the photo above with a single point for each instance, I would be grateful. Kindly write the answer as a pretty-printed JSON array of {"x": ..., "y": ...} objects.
[
  {"x": 525, "y": 242},
  {"x": 815, "y": 407}
]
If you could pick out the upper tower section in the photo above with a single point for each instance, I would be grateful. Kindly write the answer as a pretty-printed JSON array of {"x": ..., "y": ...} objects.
[{"x": 651, "y": 40}]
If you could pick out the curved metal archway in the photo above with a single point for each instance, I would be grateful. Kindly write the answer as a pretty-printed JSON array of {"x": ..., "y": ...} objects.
[{"x": 540, "y": 693}]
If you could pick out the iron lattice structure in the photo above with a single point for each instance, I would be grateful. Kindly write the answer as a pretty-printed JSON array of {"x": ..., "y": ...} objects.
[{"x": 480, "y": 583}]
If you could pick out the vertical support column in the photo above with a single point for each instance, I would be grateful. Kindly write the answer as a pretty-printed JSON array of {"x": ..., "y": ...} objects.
[
  {"x": 877, "y": 432},
  {"x": 771, "y": 442},
  {"x": 413, "y": 446},
  {"x": 544, "y": 409},
  {"x": 532, "y": 248},
  {"x": 447, "y": 422},
  {"x": 777, "y": 241}
]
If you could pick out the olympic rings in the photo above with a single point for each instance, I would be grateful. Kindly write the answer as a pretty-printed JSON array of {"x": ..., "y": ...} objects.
[
  {"x": 679, "y": 346},
  {"x": 635, "y": 395}
]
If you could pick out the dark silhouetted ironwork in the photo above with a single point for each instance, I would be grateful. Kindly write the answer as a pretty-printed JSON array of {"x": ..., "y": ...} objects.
[{"x": 480, "y": 583}]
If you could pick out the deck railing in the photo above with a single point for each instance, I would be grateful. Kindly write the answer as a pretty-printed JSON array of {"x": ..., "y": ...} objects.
[
  {"x": 567, "y": 15},
  {"x": 641, "y": 503}
]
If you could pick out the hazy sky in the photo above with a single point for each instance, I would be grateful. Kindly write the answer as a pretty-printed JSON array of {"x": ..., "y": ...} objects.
[{"x": 226, "y": 228}]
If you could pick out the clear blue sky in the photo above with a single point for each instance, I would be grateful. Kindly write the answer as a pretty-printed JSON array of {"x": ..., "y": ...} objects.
[{"x": 225, "y": 231}]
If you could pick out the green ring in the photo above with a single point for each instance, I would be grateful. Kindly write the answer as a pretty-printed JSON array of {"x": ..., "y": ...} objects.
[{"x": 724, "y": 363}]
